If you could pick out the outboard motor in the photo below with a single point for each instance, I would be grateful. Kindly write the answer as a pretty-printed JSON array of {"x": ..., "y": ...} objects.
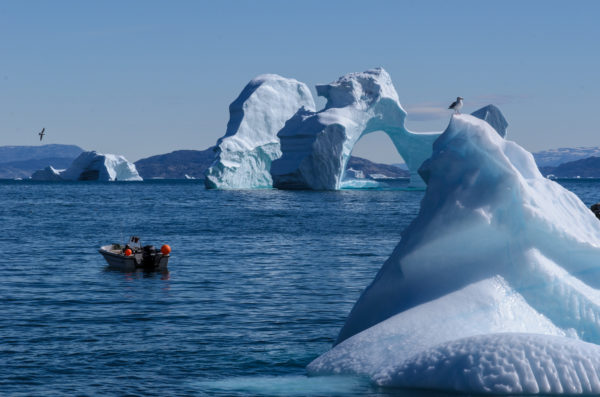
[{"x": 149, "y": 254}]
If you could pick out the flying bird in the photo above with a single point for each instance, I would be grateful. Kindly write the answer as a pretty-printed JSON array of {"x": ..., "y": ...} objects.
[
  {"x": 456, "y": 105},
  {"x": 41, "y": 134}
]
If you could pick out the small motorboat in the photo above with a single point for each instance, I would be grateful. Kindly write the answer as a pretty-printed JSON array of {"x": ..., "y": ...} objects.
[{"x": 133, "y": 256}]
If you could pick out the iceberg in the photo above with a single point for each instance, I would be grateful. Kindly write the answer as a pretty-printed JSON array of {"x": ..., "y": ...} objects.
[
  {"x": 317, "y": 145},
  {"x": 244, "y": 154},
  {"x": 47, "y": 174},
  {"x": 352, "y": 173},
  {"x": 494, "y": 118},
  {"x": 360, "y": 184},
  {"x": 493, "y": 288},
  {"x": 92, "y": 166}
]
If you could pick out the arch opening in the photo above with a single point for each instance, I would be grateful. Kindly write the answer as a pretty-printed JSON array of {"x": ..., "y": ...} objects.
[{"x": 373, "y": 160}]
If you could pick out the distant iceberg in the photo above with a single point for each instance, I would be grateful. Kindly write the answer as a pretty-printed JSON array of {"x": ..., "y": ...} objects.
[
  {"x": 47, "y": 174},
  {"x": 352, "y": 173},
  {"x": 494, "y": 287},
  {"x": 92, "y": 166},
  {"x": 244, "y": 154},
  {"x": 359, "y": 184}
]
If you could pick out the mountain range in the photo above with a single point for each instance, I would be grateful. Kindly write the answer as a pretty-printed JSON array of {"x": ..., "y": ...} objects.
[
  {"x": 176, "y": 165},
  {"x": 584, "y": 168},
  {"x": 556, "y": 157},
  {"x": 22, "y": 161}
]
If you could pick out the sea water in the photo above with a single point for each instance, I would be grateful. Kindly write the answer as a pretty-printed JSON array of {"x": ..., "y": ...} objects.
[{"x": 259, "y": 284}]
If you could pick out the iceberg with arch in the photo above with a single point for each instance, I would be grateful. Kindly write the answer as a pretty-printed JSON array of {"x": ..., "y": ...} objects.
[
  {"x": 244, "y": 154},
  {"x": 92, "y": 166},
  {"x": 276, "y": 138},
  {"x": 493, "y": 288},
  {"x": 317, "y": 145}
]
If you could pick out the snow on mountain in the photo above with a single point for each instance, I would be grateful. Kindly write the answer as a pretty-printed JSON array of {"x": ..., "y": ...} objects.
[
  {"x": 555, "y": 157},
  {"x": 93, "y": 166},
  {"x": 493, "y": 288},
  {"x": 588, "y": 167},
  {"x": 245, "y": 152}
]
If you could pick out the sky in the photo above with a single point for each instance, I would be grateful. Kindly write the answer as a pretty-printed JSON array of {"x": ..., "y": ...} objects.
[{"x": 140, "y": 78}]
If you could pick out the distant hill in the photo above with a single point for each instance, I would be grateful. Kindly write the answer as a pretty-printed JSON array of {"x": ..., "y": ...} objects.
[
  {"x": 24, "y": 169},
  {"x": 177, "y": 164},
  {"x": 22, "y": 161},
  {"x": 376, "y": 170},
  {"x": 20, "y": 153},
  {"x": 584, "y": 168},
  {"x": 556, "y": 157}
]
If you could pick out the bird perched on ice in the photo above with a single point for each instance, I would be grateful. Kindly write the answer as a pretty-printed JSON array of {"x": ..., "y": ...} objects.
[
  {"x": 41, "y": 133},
  {"x": 456, "y": 105}
]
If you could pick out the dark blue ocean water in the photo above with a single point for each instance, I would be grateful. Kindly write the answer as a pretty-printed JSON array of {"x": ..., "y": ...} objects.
[{"x": 259, "y": 284}]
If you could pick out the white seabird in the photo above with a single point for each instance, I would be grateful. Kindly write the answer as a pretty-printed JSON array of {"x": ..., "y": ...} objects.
[{"x": 456, "y": 105}]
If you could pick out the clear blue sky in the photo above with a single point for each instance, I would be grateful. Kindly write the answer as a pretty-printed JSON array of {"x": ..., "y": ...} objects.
[{"x": 146, "y": 77}]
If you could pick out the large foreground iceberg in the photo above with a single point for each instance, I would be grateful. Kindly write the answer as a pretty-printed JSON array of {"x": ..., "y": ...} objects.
[
  {"x": 92, "y": 166},
  {"x": 494, "y": 287},
  {"x": 244, "y": 154}
]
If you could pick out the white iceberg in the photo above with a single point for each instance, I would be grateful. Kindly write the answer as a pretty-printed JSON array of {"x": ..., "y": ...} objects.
[
  {"x": 352, "y": 173},
  {"x": 47, "y": 174},
  {"x": 494, "y": 117},
  {"x": 494, "y": 287},
  {"x": 360, "y": 184},
  {"x": 244, "y": 154},
  {"x": 317, "y": 145},
  {"x": 92, "y": 166}
]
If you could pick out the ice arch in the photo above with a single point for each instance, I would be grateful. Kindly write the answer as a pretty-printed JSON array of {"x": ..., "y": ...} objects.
[
  {"x": 263, "y": 147},
  {"x": 316, "y": 145}
]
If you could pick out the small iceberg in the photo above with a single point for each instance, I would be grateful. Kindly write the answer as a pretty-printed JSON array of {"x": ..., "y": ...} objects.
[
  {"x": 360, "y": 184},
  {"x": 92, "y": 166}
]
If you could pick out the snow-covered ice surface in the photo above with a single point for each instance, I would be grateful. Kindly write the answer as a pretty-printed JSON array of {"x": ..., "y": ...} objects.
[
  {"x": 244, "y": 154},
  {"x": 494, "y": 117},
  {"x": 92, "y": 166},
  {"x": 494, "y": 287},
  {"x": 511, "y": 363},
  {"x": 317, "y": 145}
]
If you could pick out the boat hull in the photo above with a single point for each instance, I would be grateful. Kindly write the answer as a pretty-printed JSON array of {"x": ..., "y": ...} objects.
[{"x": 133, "y": 262}]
